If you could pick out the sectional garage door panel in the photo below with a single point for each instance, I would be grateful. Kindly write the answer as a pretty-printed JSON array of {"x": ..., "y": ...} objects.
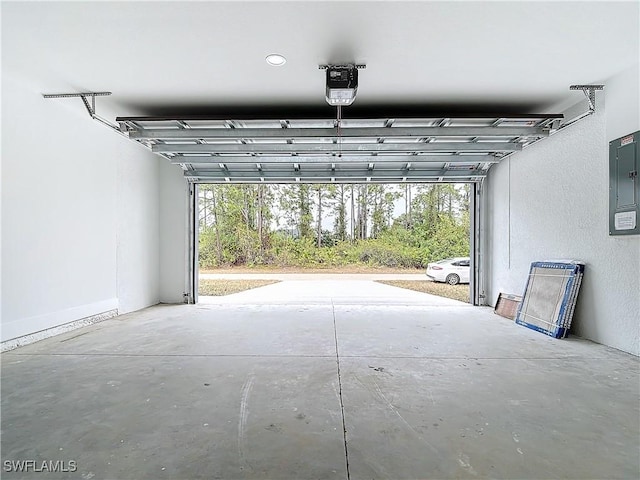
[{"x": 384, "y": 150}]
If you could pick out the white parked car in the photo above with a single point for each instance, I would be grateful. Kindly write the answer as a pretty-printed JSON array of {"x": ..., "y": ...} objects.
[{"x": 451, "y": 270}]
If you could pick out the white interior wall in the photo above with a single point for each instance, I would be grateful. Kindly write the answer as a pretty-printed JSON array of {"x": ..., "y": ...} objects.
[
  {"x": 80, "y": 214},
  {"x": 173, "y": 233},
  {"x": 551, "y": 201},
  {"x": 138, "y": 222},
  {"x": 623, "y": 103}
]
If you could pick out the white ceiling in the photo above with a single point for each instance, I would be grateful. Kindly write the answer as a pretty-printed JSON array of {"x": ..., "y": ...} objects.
[{"x": 185, "y": 57}]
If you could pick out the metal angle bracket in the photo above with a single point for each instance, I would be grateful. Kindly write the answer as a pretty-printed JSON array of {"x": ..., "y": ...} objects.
[
  {"x": 359, "y": 66},
  {"x": 91, "y": 107},
  {"x": 589, "y": 92}
]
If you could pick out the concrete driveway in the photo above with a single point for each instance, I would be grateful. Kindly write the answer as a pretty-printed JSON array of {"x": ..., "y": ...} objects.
[
  {"x": 347, "y": 380},
  {"x": 315, "y": 276},
  {"x": 313, "y": 289}
]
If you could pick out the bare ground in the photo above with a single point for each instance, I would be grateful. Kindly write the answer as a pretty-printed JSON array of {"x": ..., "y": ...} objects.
[
  {"x": 455, "y": 292},
  {"x": 346, "y": 269}
]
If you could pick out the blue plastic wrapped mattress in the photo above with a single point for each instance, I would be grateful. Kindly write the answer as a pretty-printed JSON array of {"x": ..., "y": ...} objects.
[{"x": 550, "y": 297}]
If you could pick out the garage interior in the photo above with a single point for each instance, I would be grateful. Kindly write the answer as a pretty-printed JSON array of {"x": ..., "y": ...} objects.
[{"x": 107, "y": 371}]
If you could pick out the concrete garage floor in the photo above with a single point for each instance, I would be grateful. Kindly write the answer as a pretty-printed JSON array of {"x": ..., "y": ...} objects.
[{"x": 257, "y": 385}]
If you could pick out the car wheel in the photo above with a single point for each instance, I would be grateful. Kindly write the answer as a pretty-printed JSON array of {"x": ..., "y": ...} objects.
[{"x": 453, "y": 279}]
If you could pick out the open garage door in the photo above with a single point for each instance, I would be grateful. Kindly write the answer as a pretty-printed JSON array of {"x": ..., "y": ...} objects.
[
  {"x": 382, "y": 232},
  {"x": 384, "y": 150},
  {"x": 391, "y": 149}
]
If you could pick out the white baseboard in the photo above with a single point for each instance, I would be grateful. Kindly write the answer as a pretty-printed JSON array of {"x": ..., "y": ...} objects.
[{"x": 35, "y": 334}]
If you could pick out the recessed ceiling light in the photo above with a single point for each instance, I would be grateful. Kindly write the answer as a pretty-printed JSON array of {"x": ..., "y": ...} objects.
[{"x": 276, "y": 59}]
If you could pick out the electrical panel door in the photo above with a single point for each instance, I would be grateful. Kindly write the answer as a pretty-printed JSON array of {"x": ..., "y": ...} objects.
[{"x": 624, "y": 185}]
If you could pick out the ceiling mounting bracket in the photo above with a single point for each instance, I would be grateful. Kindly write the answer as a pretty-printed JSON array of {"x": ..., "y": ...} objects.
[
  {"x": 589, "y": 92},
  {"x": 91, "y": 107},
  {"x": 359, "y": 66}
]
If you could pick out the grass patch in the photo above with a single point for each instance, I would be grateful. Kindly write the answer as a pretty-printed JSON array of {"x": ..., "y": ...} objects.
[
  {"x": 455, "y": 292},
  {"x": 219, "y": 288}
]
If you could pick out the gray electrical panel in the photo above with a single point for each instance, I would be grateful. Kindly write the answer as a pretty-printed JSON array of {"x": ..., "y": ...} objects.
[{"x": 624, "y": 185}]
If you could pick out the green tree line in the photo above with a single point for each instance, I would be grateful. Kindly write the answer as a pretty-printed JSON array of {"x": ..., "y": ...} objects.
[{"x": 315, "y": 225}]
